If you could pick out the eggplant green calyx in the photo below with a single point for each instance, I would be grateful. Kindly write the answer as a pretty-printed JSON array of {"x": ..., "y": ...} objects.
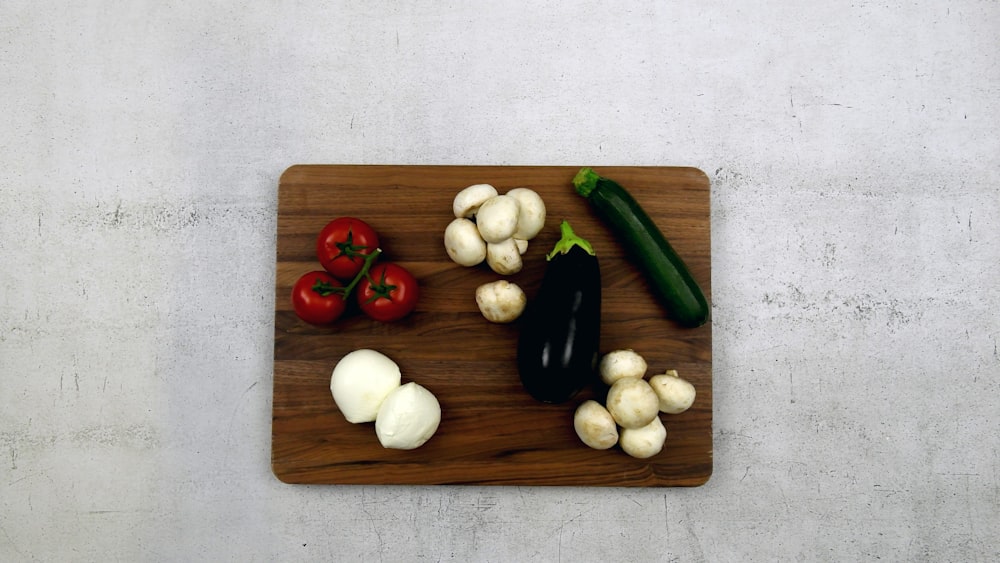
[
  {"x": 568, "y": 241},
  {"x": 585, "y": 181}
]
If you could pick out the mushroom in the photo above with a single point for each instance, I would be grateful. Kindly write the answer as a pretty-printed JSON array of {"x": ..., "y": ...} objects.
[
  {"x": 531, "y": 212},
  {"x": 467, "y": 201},
  {"x": 408, "y": 417},
  {"x": 501, "y": 301},
  {"x": 503, "y": 257},
  {"x": 632, "y": 402},
  {"x": 497, "y": 218},
  {"x": 645, "y": 441},
  {"x": 595, "y": 426},
  {"x": 361, "y": 380},
  {"x": 463, "y": 243},
  {"x": 675, "y": 394},
  {"x": 621, "y": 363},
  {"x": 522, "y": 245}
]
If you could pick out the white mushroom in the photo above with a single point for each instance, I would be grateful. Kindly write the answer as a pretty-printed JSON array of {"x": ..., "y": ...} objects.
[
  {"x": 595, "y": 426},
  {"x": 501, "y": 301},
  {"x": 675, "y": 394},
  {"x": 408, "y": 417},
  {"x": 632, "y": 402},
  {"x": 497, "y": 218},
  {"x": 463, "y": 243},
  {"x": 360, "y": 382},
  {"x": 503, "y": 257},
  {"x": 644, "y": 442},
  {"x": 522, "y": 245},
  {"x": 621, "y": 363},
  {"x": 467, "y": 201},
  {"x": 531, "y": 213}
]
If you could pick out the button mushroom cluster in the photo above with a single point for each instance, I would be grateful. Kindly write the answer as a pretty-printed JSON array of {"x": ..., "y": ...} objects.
[
  {"x": 493, "y": 227},
  {"x": 630, "y": 416}
]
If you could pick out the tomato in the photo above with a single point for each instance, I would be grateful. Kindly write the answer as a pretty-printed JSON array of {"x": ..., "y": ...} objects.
[
  {"x": 389, "y": 292},
  {"x": 315, "y": 299},
  {"x": 342, "y": 245}
]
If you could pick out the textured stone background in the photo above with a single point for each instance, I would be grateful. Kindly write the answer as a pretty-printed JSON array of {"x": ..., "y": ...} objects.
[{"x": 854, "y": 154}]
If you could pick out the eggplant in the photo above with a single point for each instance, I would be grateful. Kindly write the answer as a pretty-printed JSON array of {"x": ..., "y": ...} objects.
[{"x": 559, "y": 342}]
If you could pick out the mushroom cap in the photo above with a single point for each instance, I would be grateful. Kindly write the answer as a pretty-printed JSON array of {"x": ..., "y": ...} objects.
[
  {"x": 463, "y": 243},
  {"x": 675, "y": 394},
  {"x": 621, "y": 363},
  {"x": 644, "y": 442},
  {"x": 595, "y": 426},
  {"x": 531, "y": 214},
  {"x": 503, "y": 257},
  {"x": 467, "y": 201},
  {"x": 632, "y": 402},
  {"x": 497, "y": 218},
  {"x": 501, "y": 301}
]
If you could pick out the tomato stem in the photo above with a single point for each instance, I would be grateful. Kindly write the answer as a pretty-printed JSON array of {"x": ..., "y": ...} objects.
[
  {"x": 325, "y": 288},
  {"x": 369, "y": 260},
  {"x": 348, "y": 248},
  {"x": 380, "y": 289}
]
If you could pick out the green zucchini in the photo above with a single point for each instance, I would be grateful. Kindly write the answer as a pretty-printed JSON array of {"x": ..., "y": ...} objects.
[{"x": 667, "y": 274}]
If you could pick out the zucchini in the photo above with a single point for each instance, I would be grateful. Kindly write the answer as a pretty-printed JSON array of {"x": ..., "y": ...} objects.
[
  {"x": 668, "y": 276},
  {"x": 559, "y": 344}
]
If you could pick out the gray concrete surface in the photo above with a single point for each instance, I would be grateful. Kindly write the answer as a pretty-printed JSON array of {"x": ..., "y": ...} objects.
[{"x": 854, "y": 154}]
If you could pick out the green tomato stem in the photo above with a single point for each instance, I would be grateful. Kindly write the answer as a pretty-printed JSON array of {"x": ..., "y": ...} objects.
[
  {"x": 325, "y": 288},
  {"x": 348, "y": 248},
  {"x": 369, "y": 260}
]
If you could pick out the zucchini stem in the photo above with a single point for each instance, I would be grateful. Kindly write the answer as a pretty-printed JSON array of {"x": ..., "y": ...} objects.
[
  {"x": 585, "y": 181},
  {"x": 568, "y": 241}
]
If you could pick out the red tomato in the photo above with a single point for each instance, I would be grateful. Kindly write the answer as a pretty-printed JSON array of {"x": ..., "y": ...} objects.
[
  {"x": 342, "y": 246},
  {"x": 316, "y": 300},
  {"x": 388, "y": 293}
]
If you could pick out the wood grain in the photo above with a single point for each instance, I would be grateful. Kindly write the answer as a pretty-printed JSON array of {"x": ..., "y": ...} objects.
[{"x": 491, "y": 431}]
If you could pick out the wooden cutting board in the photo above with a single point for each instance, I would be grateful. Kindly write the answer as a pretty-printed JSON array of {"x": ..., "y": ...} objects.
[{"x": 491, "y": 432}]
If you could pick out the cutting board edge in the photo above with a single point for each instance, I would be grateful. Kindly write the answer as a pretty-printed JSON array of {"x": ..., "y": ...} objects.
[{"x": 289, "y": 175}]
